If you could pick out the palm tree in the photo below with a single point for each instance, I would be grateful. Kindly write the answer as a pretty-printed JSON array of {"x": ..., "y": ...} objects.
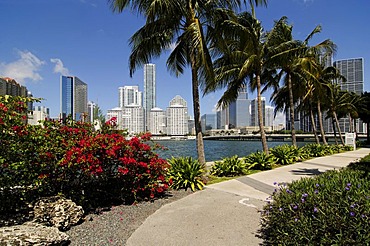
[
  {"x": 183, "y": 23},
  {"x": 364, "y": 112},
  {"x": 243, "y": 50}
]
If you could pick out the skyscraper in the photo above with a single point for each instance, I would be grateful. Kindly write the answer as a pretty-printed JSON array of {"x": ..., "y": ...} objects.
[
  {"x": 157, "y": 121},
  {"x": 353, "y": 71},
  {"x": 177, "y": 117},
  {"x": 239, "y": 110},
  {"x": 73, "y": 98},
  {"x": 149, "y": 92},
  {"x": 254, "y": 111},
  {"x": 130, "y": 96}
]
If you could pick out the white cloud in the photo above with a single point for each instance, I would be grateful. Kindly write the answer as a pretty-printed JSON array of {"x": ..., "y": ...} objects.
[
  {"x": 89, "y": 2},
  {"x": 59, "y": 66},
  {"x": 26, "y": 67}
]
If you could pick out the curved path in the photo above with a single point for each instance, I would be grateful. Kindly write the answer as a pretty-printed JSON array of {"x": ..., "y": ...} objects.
[{"x": 227, "y": 213}]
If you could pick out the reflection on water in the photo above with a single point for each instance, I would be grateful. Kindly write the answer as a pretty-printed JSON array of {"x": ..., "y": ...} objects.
[{"x": 214, "y": 150}]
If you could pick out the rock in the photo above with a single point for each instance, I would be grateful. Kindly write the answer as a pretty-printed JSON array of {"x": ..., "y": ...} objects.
[
  {"x": 57, "y": 212},
  {"x": 31, "y": 233}
]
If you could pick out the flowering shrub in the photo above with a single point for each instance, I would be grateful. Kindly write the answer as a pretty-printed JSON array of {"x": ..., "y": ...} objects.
[
  {"x": 70, "y": 158},
  {"x": 330, "y": 209}
]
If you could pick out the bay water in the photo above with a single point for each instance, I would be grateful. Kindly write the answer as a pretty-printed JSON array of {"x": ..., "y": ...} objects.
[{"x": 214, "y": 149}]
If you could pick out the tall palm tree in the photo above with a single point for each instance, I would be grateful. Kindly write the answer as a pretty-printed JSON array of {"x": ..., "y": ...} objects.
[
  {"x": 295, "y": 59},
  {"x": 243, "y": 50},
  {"x": 183, "y": 23}
]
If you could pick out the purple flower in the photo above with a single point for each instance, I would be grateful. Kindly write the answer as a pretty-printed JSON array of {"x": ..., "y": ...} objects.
[
  {"x": 317, "y": 185},
  {"x": 275, "y": 183},
  {"x": 348, "y": 184},
  {"x": 316, "y": 192},
  {"x": 295, "y": 219},
  {"x": 347, "y": 188},
  {"x": 353, "y": 205},
  {"x": 280, "y": 209},
  {"x": 302, "y": 200},
  {"x": 288, "y": 191},
  {"x": 363, "y": 216},
  {"x": 352, "y": 214},
  {"x": 315, "y": 210},
  {"x": 295, "y": 207},
  {"x": 305, "y": 195}
]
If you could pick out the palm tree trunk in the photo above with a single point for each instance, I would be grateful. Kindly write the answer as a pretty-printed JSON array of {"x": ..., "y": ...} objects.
[
  {"x": 350, "y": 123},
  {"x": 291, "y": 109},
  {"x": 320, "y": 123},
  {"x": 196, "y": 108},
  {"x": 260, "y": 116},
  {"x": 334, "y": 130},
  {"x": 314, "y": 126},
  {"x": 337, "y": 124}
]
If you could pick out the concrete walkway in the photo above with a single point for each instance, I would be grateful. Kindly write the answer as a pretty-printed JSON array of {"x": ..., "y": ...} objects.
[{"x": 227, "y": 213}]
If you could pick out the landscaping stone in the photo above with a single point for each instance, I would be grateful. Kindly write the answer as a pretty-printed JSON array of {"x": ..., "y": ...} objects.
[
  {"x": 31, "y": 233},
  {"x": 57, "y": 212}
]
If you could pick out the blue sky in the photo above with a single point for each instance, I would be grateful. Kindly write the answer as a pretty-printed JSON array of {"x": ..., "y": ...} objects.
[{"x": 42, "y": 39}]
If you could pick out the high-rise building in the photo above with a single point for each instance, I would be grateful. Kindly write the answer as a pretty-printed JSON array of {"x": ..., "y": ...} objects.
[
  {"x": 208, "y": 122},
  {"x": 353, "y": 71},
  {"x": 177, "y": 117},
  {"x": 130, "y": 96},
  {"x": 269, "y": 116},
  {"x": 254, "y": 111},
  {"x": 239, "y": 115},
  {"x": 157, "y": 121},
  {"x": 129, "y": 118},
  {"x": 9, "y": 86},
  {"x": 73, "y": 98},
  {"x": 149, "y": 91}
]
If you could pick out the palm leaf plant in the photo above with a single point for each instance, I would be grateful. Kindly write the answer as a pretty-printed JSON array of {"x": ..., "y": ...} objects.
[{"x": 185, "y": 172}]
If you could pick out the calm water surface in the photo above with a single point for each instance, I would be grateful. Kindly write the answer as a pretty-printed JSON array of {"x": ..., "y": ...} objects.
[{"x": 214, "y": 150}]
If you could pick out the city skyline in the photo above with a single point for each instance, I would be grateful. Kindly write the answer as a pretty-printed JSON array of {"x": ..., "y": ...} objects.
[{"x": 36, "y": 49}]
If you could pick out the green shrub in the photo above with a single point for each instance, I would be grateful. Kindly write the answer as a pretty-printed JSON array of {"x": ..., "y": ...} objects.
[
  {"x": 229, "y": 167},
  {"x": 285, "y": 154},
  {"x": 329, "y": 209},
  {"x": 259, "y": 161},
  {"x": 185, "y": 173},
  {"x": 92, "y": 168}
]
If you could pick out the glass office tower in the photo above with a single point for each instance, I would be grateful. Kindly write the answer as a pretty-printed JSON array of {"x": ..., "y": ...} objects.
[{"x": 73, "y": 98}]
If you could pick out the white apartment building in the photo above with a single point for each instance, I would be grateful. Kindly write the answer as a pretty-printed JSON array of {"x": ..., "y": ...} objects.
[
  {"x": 39, "y": 113},
  {"x": 269, "y": 116},
  {"x": 128, "y": 118},
  {"x": 157, "y": 124},
  {"x": 129, "y": 96},
  {"x": 177, "y": 117}
]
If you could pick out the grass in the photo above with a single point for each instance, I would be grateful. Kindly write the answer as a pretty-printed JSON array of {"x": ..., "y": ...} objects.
[{"x": 214, "y": 179}]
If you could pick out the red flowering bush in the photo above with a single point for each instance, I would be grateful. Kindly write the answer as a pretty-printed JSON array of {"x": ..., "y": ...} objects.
[{"x": 70, "y": 158}]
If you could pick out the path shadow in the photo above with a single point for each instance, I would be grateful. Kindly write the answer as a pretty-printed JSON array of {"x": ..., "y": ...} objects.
[{"x": 307, "y": 171}]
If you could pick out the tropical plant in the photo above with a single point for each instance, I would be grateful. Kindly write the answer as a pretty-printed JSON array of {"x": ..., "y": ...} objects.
[
  {"x": 184, "y": 173},
  {"x": 330, "y": 209},
  {"x": 242, "y": 51},
  {"x": 71, "y": 159},
  {"x": 179, "y": 22},
  {"x": 231, "y": 166},
  {"x": 259, "y": 161},
  {"x": 364, "y": 112},
  {"x": 285, "y": 154}
]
